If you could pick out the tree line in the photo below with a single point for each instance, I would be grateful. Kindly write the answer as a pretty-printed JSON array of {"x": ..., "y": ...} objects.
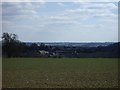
[{"x": 12, "y": 47}]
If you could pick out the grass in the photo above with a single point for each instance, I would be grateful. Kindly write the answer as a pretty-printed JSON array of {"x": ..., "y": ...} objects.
[{"x": 60, "y": 73}]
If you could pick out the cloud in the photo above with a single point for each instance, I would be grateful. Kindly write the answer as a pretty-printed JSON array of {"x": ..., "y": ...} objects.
[
  {"x": 61, "y": 4},
  {"x": 59, "y": 17},
  {"x": 23, "y": 1},
  {"x": 61, "y": 1},
  {"x": 90, "y": 5},
  {"x": 19, "y": 15},
  {"x": 14, "y": 10},
  {"x": 78, "y": 18},
  {"x": 96, "y": 0},
  {"x": 88, "y": 12}
]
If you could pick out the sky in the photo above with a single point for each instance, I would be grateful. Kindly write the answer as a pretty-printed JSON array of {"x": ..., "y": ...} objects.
[{"x": 61, "y": 21}]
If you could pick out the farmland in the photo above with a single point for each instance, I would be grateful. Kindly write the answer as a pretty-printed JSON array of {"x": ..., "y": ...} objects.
[{"x": 60, "y": 73}]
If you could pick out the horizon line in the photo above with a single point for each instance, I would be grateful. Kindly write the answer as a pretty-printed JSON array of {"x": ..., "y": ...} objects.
[{"x": 71, "y": 41}]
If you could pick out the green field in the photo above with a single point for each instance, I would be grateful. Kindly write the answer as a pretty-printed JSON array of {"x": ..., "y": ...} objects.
[{"x": 60, "y": 73}]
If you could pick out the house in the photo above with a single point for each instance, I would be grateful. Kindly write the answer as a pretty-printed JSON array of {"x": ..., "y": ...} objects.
[{"x": 43, "y": 52}]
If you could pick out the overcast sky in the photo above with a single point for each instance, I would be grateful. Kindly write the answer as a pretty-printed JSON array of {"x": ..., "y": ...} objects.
[{"x": 61, "y": 22}]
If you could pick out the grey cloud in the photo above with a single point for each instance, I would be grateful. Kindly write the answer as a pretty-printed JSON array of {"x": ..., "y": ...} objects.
[{"x": 12, "y": 10}]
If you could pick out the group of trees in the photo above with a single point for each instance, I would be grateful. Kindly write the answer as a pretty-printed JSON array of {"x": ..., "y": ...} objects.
[{"x": 12, "y": 47}]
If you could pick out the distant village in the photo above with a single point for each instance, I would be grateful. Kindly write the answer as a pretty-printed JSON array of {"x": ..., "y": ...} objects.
[{"x": 78, "y": 51}]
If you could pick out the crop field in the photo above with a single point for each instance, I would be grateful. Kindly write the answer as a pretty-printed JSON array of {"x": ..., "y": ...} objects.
[{"x": 60, "y": 73}]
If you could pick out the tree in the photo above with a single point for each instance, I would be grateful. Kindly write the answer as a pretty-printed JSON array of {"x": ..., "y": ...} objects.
[{"x": 9, "y": 44}]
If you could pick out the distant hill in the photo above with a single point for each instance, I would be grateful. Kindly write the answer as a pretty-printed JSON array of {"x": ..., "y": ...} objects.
[{"x": 91, "y": 44}]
